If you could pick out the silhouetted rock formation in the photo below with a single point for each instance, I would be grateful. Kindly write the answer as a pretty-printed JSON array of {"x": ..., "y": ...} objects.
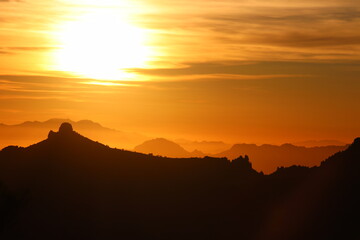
[
  {"x": 66, "y": 128},
  {"x": 243, "y": 164},
  {"x": 70, "y": 187}
]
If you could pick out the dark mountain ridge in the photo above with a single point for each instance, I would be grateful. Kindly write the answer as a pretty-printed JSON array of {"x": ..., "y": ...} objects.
[{"x": 70, "y": 187}]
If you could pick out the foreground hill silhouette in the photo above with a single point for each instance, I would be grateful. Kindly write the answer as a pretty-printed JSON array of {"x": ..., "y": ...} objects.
[{"x": 69, "y": 187}]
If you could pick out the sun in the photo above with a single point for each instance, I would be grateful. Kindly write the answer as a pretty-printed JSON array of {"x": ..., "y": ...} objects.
[{"x": 101, "y": 45}]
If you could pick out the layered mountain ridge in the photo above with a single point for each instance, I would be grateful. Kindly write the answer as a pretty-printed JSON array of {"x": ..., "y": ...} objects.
[{"x": 69, "y": 186}]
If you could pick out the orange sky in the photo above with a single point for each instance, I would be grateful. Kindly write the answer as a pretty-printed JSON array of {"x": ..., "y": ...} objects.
[{"x": 240, "y": 71}]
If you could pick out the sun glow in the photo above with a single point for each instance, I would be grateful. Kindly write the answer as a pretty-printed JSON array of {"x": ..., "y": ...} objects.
[{"x": 101, "y": 45}]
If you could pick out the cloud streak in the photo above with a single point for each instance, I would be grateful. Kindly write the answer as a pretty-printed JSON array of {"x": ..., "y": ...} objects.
[
  {"x": 254, "y": 30},
  {"x": 42, "y": 87},
  {"x": 246, "y": 30},
  {"x": 257, "y": 70}
]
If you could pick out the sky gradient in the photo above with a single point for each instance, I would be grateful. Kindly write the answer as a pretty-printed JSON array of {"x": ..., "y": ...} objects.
[{"x": 239, "y": 71}]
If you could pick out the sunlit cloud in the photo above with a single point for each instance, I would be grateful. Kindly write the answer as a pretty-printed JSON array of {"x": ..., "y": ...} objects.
[
  {"x": 177, "y": 32},
  {"x": 246, "y": 62},
  {"x": 108, "y": 83}
]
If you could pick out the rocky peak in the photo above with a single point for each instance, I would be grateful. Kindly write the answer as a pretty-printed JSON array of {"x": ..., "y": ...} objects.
[{"x": 64, "y": 129}]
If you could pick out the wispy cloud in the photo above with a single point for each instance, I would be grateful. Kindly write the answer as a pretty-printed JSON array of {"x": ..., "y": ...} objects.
[
  {"x": 184, "y": 30},
  {"x": 257, "y": 70},
  {"x": 260, "y": 30},
  {"x": 43, "y": 87}
]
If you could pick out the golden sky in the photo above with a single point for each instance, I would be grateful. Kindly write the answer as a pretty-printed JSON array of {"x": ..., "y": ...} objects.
[{"x": 264, "y": 71}]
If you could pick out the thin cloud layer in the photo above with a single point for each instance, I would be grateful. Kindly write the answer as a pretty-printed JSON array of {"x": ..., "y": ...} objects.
[{"x": 266, "y": 33}]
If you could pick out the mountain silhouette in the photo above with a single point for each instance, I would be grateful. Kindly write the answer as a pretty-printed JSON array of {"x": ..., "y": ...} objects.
[
  {"x": 29, "y": 132},
  {"x": 325, "y": 203},
  {"x": 164, "y": 147},
  {"x": 268, "y": 158},
  {"x": 70, "y": 187},
  {"x": 319, "y": 143},
  {"x": 211, "y": 147}
]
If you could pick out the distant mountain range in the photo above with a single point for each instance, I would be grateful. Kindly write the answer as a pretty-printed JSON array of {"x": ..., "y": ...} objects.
[
  {"x": 265, "y": 158},
  {"x": 320, "y": 143},
  {"x": 28, "y": 132},
  {"x": 208, "y": 147},
  {"x": 268, "y": 158},
  {"x": 167, "y": 148},
  {"x": 70, "y": 187},
  {"x": 31, "y": 131}
]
